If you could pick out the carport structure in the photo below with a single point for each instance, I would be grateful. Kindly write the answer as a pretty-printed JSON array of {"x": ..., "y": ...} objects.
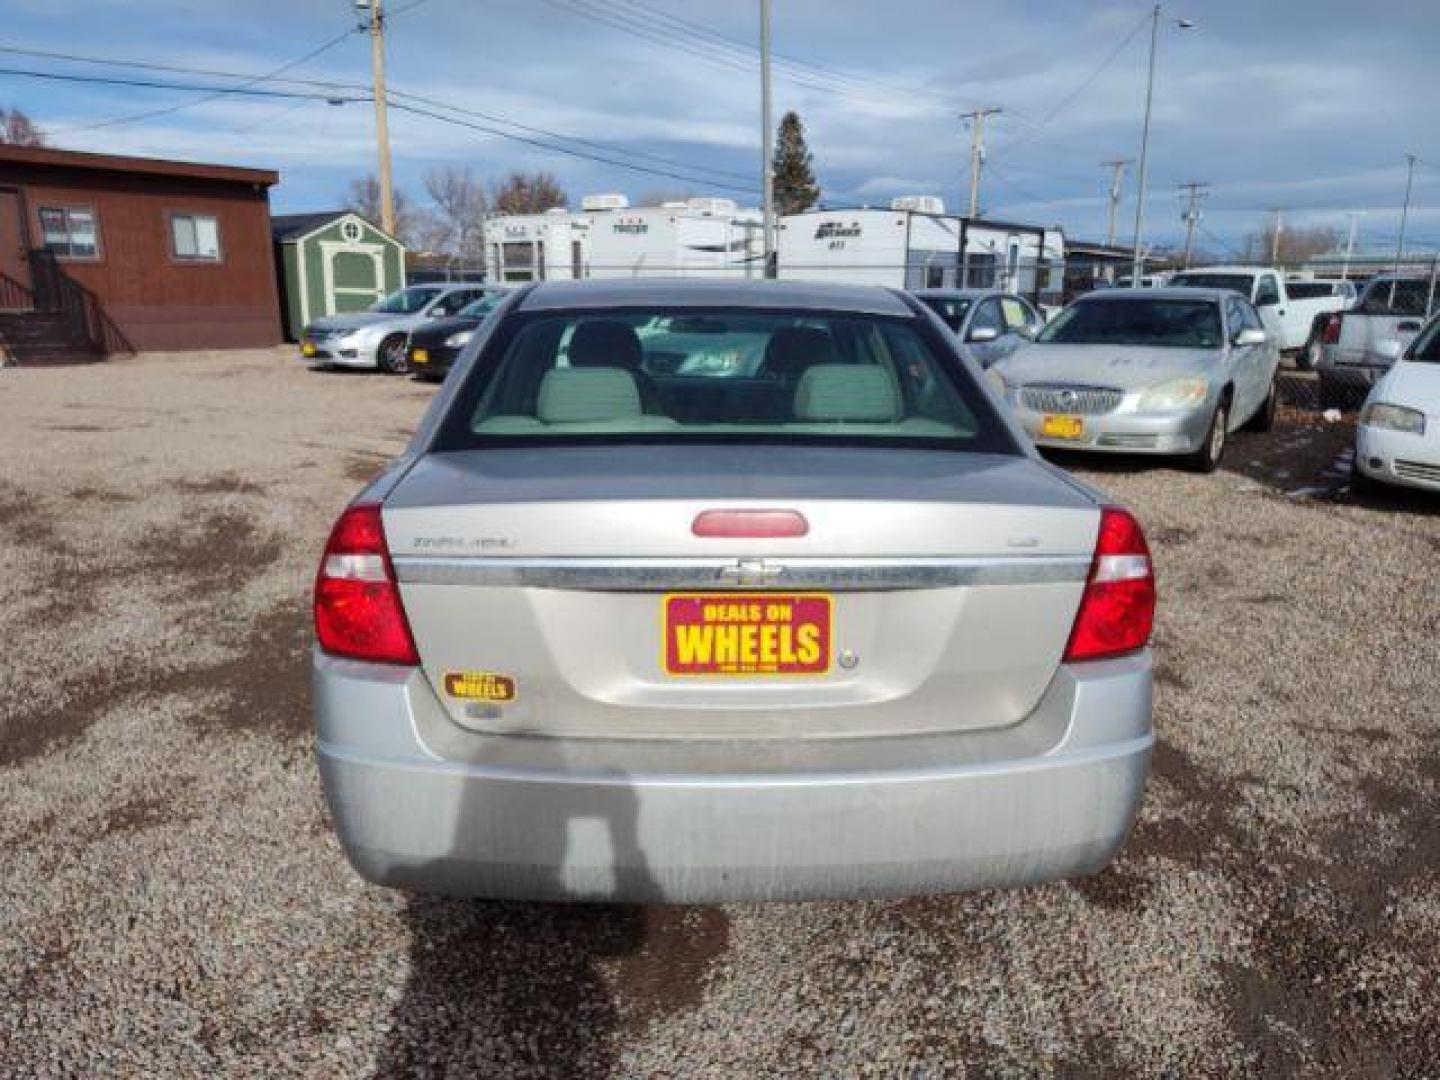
[{"x": 333, "y": 262}]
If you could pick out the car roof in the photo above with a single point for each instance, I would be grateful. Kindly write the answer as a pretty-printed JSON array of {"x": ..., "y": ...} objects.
[
  {"x": 717, "y": 293},
  {"x": 1164, "y": 293}
]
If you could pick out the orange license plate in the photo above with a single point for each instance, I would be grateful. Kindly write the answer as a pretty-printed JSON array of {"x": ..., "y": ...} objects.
[
  {"x": 1062, "y": 427},
  {"x": 744, "y": 634},
  {"x": 307, "y": 349}
]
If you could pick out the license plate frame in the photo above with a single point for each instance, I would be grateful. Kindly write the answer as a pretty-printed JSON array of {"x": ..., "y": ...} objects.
[
  {"x": 1062, "y": 426},
  {"x": 738, "y": 645}
]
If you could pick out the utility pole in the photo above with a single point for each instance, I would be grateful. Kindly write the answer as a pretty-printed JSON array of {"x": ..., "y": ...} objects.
[
  {"x": 1195, "y": 190},
  {"x": 1350, "y": 244},
  {"x": 1116, "y": 183},
  {"x": 767, "y": 139},
  {"x": 977, "y": 152},
  {"x": 382, "y": 124},
  {"x": 1410, "y": 159},
  {"x": 1275, "y": 237},
  {"x": 1138, "y": 270}
]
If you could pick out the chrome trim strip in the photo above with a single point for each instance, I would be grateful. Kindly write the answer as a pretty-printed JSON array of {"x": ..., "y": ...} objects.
[{"x": 647, "y": 575}]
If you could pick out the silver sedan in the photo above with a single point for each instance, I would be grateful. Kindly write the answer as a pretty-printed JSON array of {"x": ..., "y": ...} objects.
[
  {"x": 615, "y": 629},
  {"x": 990, "y": 324},
  {"x": 1150, "y": 371}
]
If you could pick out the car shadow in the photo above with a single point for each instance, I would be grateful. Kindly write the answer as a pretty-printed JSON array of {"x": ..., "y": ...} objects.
[{"x": 501, "y": 988}]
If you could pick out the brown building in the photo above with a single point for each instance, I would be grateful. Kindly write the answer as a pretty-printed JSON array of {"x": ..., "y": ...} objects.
[{"x": 133, "y": 253}]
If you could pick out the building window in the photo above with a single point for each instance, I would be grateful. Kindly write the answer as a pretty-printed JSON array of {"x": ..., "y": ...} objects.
[
  {"x": 195, "y": 237},
  {"x": 70, "y": 232},
  {"x": 350, "y": 232}
]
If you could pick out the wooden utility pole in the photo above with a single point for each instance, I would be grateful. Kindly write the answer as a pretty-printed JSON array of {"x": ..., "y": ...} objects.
[
  {"x": 1275, "y": 237},
  {"x": 977, "y": 152},
  {"x": 382, "y": 123},
  {"x": 1195, "y": 190},
  {"x": 1116, "y": 183}
]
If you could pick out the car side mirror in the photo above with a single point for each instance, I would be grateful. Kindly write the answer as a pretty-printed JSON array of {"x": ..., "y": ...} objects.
[
  {"x": 1250, "y": 336},
  {"x": 982, "y": 334}
]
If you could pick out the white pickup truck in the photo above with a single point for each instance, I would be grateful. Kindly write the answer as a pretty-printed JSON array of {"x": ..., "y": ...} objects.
[
  {"x": 1292, "y": 321},
  {"x": 1360, "y": 345}
]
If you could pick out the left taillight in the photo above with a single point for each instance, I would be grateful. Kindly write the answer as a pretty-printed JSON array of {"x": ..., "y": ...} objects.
[
  {"x": 1117, "y": 610},
  {"x": 358, "y": 613}
]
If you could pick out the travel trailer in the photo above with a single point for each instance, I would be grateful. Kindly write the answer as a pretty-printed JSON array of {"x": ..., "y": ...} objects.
[
  {"x": 916, "y": 245},
  {"x": 693, "y": 238},
  {"x": 553, "y": 246}
]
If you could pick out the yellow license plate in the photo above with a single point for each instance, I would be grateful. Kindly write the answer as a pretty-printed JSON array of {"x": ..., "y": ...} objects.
[
  {"x": 746, "y": 634},
  {"x": 1062, "y": 427},
  {"x": 307, "y": 349},
  {"x": 419, "y": 356}
]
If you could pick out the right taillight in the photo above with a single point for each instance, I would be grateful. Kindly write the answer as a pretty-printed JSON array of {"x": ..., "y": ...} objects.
[
  {"x": 1117, "y": 610},
  {"x": 1331, "y": 334},
  {"x": 358, "y": 613}
]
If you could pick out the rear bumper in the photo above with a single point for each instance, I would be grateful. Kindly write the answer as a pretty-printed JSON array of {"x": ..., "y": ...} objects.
[{"x": 576, "y": 819}]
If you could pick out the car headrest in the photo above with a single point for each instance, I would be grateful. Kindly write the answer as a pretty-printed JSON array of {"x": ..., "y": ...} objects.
[
  {"x": 605, "y": 343},
  {"x": 792, "y": 349},
  {"x": 587, "y": 395},
  {"x": 858, "y": 392}
]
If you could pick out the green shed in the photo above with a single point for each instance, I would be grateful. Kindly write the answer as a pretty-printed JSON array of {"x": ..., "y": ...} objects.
[{"x": 330, "y": 263}]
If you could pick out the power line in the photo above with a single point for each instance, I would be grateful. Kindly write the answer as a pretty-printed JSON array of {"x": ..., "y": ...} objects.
[
  {"x": 151, "y": 114},
  {"x": 246, "y": 89},
  {"x": 566, "y": 150},
  {"x": 1033, "y": 134},
  {"x": 150, "y": 84}
]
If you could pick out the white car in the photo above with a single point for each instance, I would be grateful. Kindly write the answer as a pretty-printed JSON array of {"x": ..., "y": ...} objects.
[{"x": 1397, "y": 440}]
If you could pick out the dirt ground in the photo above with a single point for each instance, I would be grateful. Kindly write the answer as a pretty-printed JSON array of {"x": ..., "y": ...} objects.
[{"x": 173, "y": 902}]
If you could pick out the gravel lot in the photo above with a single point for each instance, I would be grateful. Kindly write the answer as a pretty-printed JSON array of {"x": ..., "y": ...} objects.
[{"x": 172, "y": 901}]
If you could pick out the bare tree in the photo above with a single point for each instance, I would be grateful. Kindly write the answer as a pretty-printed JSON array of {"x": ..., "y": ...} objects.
[
  {"x": 17, "y": 129},
  {"x": 460, "y": 205},
  {"x": 364, "y": 199},
  {"x": 527, "y": 193},
  {"x": 1297, "y": 244}
]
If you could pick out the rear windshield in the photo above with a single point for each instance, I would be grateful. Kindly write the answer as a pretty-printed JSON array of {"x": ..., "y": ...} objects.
[
  {"x": 1399, "y": 296},
  {"x": 950, "y": 309},
  {"x": 1179, "y": 324},
  {"x": 1241, "y": 283},
  {"x": 677, "y": 375}
]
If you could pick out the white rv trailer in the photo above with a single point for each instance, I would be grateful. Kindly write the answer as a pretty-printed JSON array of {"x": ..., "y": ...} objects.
[
  {"x": 694, "y": 238},
  {"x": 553, "y": 246},
  {"x": 915, "y": 245}
]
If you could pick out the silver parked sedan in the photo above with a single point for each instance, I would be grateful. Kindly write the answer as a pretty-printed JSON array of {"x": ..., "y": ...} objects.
[
  {"x": 828, "y": 627},
  {"x": 1154, "y": 371},
  {"x": 377, "y": 336},
  {"x": 990, "y": 324}
]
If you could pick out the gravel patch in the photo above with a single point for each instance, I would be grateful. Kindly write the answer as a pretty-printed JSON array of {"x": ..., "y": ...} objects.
[{"x": 173, "y": 902}]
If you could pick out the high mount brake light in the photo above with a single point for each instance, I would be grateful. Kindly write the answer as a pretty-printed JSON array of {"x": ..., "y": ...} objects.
[
  {"x": 750, "y": 524},
  {"x": 358, "y": 613},
  {"x": 1117, "y": 610}
]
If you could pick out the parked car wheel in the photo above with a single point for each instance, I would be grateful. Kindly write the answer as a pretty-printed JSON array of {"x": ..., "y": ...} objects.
[
  {"x": 392, "y": 355},
  {"x": 1264, "y": 418},
  {"x": 1207, "y": 458}
]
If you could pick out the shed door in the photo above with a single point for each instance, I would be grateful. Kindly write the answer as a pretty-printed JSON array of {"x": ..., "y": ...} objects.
[{"x": 355, "y": 277}]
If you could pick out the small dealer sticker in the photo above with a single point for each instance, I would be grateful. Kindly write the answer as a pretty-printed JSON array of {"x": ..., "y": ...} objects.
[
  {"x": 479, "y": 686},
  {"x": 746, "y": 633}
]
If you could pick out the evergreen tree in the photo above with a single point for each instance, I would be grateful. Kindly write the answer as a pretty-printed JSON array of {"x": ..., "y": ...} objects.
[{"x": 794, "y": 178}]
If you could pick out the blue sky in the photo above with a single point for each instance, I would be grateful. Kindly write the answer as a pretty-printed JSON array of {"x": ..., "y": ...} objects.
[{"x": 1307, "y": 106}]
